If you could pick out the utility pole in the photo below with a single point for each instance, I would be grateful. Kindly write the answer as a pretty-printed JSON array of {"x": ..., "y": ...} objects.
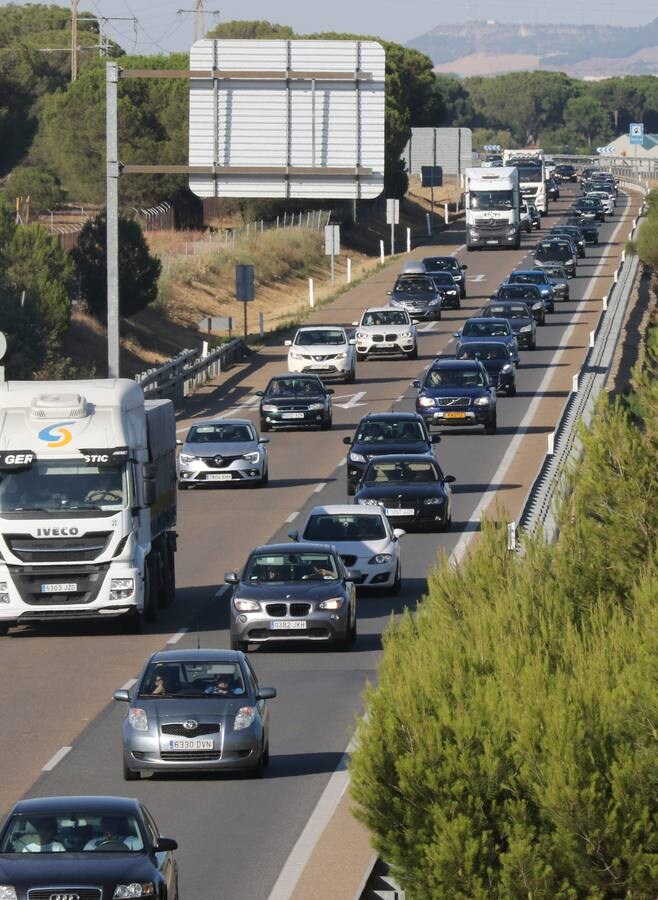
[
  {"x": 112, "y": 217},
  {"x": 199, "y": 13},
  {"x": 74, "y": 40}
]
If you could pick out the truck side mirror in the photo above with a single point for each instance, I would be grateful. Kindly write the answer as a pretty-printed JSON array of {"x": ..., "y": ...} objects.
[{"x": 150, "y": 492}]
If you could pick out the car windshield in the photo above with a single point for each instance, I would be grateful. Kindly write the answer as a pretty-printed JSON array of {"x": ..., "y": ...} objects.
[
  {"x": 457, "y": 377},
  {"x": 219, "y": 433},
  {"x": 307, "y": 337},
  {"x": 61, "y": 485},
  {"x": 509, "y": 311},
  {"x": 401, "y": 472},
  {"x": 519, "y": 292},
  {"x": 334, "y": 527},
  {"x": 298, "y": 565},
  {"x": 192, "y": 678},
  {"x": 414, "y": 284},
  {"x": 294, "y": 388},
  {"x": 553, "y": 251},
  {"x": 445, "y": 279},
  {"x": 528, "y": 278},
  {"x": 556, "y": 273},
  {"x": 441, "y": 263},
  {"x": 72, "y": 832},
  {"x": 484, "y": 351},
  {"x": 385, "y": 317},
  {"x": 484, "y": 200},
  {"x": 401, "y": 432},
  {"x": 486, "y": 329}
]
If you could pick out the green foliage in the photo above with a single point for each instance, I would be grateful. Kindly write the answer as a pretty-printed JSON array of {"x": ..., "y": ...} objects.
[
  {"x": 585, "y": 117},
  {"x": 647, "y": 240},
  {"x": 138, "y": 270},
  {"x": 251, "y": 28},
  {"x": 509, "y": 749},
  {"x": 40, "y": 186}
]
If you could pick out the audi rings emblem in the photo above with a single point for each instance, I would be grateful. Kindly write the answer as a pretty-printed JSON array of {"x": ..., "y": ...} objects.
[
  {"x": 190, "y": 725},
  {"x": 64, "y": 897}
]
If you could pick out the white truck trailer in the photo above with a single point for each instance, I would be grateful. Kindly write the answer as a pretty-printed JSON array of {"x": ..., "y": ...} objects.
[
  {"x": 532, "y": 175},
  {"x": 87, "y": 502},
  {"x": 492, "y": 208}
]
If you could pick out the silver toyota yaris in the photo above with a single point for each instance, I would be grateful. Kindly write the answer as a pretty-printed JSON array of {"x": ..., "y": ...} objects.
[
  {"x": 220, "y": 451},
  {"x": 196, "y": 710}
]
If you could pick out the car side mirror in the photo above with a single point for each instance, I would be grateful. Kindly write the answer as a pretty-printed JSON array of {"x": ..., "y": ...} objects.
[
  {"x": 435, "y": 438},
  {"x": 330, "y": 391},
  {"x": 231, "y": 578},
  {"x": 398, "y": 533},
  {"x": 352, "y": 341},
  {"x": 263, "y": 440},
  {"x": 449, "y": 479},
  {"x": 287, "y": 343},
  {"x": 355, "y": 323},
  {"x": 464, "y": 268},
  {"x": 259, "y": 393},
  {"x": 164, "y": 845},
  {"x": 389, "y": 293},
  {"x": 456, "y": 334},
  {"x": 266, "y": 693},
  {"x": 416, "y": 383},
  {"x": 353, "y": 574},
  {"x": 347, "y": 441},
  {"x": 293, "y": 535},
  {"x": 123, "y": 696},
  {"x": 179, "y": 443}
]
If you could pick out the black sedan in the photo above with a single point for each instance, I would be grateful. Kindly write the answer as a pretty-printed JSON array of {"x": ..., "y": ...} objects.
[
  {"x": 300, "y": 401},
  {"x": 576, "y": 235},
  {"x": 588, "y": 208},
  {"x": 589, "y": 229},
  {"x": 449, "y": 288},
  {"x": 566, "y": 172},
  {"x": 530, "y": 294},
  {"x": 434, "y": 264},
  {"x": 412, "y": 490},
  {"x": 457, "y": 392},
  {"x": 495, "y": 359},
  {"x": 379, "y": 434},
  {"x": 520, "y": 317},
  {"x": 293, "y": 592},
  {"x": 419, "y": 295},
  {"x": 554, "y": 253},
  {"x": 62, "y": 848}
]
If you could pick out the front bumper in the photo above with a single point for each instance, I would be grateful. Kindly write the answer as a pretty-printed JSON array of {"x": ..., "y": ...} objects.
[
  {"x": 332, "y": 368},
  {"x": 465, "y": 418},
  {"x": 305, "y": 419},
  {"x": 421, "y": 313},
  {"x": 422, "y": 517},
  {"x": 372, "y": 575},
  {"x": 321, "y": 626},
  {"x": 240, "y": 470},
  {"x": 232, "y": 750},
  {"x": 371, "y": 346},
  {"x": 525, "y": 340}
]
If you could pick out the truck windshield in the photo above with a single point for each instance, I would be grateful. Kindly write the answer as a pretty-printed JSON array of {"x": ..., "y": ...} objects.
[
  {"x": 530, "y": 174},
  {"x": 61, "y": 485},
  {"x": 492, "y": 199}
]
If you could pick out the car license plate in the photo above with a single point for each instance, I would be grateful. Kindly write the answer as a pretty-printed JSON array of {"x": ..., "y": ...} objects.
[
  {"x": 455, "y": 415},
  {"x": 219, "y": 476},
  {"x": 192, "y": 744},
  {"x": 287, "y": 625},
  {"x": 292, "y": 415},
  {"x": 400, "y": 512},
  {"x": 66, "y": 587},
  {"x": 492, "y": 242}
]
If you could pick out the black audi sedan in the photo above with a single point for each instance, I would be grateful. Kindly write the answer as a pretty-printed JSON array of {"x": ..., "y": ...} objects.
[
  {"x": 589, "y": 229},
  {"x": 495, "y": 359},
  {"x": 89, "y": 848},
  {"x": 452, "y": 294},
  {"x": 298, "y": 401},
  {"x": 434, "y": 264},
  {"x": 457, "y": 392},
  {"x": 412, "y": 490},
  {"x": 380, "y": 434},
  {"x": 530, "y": 294}
]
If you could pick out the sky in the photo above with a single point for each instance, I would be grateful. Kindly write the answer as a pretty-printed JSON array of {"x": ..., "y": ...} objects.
[{"x": 159, "y": 28}]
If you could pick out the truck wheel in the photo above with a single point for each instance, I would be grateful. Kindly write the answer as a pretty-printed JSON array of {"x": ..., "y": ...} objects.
[{"x": 168, "y": 587}]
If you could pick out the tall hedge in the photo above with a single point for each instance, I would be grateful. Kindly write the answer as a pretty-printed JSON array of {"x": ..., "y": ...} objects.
[{"x": 511, "y": 744}]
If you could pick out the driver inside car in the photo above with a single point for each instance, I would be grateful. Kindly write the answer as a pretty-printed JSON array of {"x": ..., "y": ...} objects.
[{"x": 115, "y": 831}]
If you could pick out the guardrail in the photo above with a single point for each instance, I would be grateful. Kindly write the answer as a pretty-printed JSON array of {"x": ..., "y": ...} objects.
[
  {"x": 564, "y": 445},
  {"x": 180, "y": 377}
]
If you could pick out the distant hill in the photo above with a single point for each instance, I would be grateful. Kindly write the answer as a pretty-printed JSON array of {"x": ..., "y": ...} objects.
[{"x": 584, "y": 51}]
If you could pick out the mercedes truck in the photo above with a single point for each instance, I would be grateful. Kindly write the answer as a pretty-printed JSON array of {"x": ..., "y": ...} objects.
[
  {"x": 532, "y": 176},
  {"x": 492, "y": 208},
  {"x": 87, "y": 502}
]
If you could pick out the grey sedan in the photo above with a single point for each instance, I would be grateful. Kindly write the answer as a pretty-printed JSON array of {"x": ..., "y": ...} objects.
[
  {"x": 196, "y": 710},
  {"x": 293, "y": 592},
  {"x": 223, "y": 451}
]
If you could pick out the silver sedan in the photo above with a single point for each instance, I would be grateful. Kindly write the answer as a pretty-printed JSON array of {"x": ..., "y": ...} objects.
[
  {"x": 222, "y": 451},
  {"x": 200, "y": 710}
]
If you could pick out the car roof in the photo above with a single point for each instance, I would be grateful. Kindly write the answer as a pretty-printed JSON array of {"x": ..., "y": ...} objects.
[
  {"x": 482, "y": 319},
  {"x": 454, "y": 363},
  {"x": 290, "y": 546},
  {"x": 220, "y": 421},
  {"x": 348, "y": 509},
  {"x": 525, "y": 272},
  {"x": 404, "y": 457},
  {"x": 391, "y": 417},
  {"x": 86, "y": 803},
  {"x": 214, "y": 654},
  {"x": 432, "y": 258},
  {"x": 369, "y": 309}
]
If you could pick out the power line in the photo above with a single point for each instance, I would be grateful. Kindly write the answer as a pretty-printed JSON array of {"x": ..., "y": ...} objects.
[{"x": 199, "y": 18}]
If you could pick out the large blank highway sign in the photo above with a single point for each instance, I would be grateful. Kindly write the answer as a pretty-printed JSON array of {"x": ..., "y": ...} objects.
[{"x": 298, "y": 119}]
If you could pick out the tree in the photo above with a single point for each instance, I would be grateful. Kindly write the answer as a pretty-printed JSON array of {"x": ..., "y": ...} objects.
[
  {"x": 138, "y": 270},
  {"x": 584, "y": 116},
  {"x": 40, "y": 186},
  {"x": 251, "y": 28}
]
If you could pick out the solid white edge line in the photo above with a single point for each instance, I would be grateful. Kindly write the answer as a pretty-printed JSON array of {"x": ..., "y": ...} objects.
[
  {"x": 57, "y": 758},
  {"x": 291, "y": 518},
  {"x": 343, "y": 462},
  {"x": 175, "y": 638},
  {"x": 128, "y": 684},
  {"x": 319, "y": 487},
  {"x": 339, "y": 780}
]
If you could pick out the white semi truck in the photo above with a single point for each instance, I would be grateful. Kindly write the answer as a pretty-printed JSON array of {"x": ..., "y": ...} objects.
[
  {"x": 87, "y": 502},
  {"x": 532, "y": 175},
  {"x": 492, "y": 207}
]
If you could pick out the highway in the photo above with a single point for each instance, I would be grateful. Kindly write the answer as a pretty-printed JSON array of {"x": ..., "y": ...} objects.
[{"x": 235, "y": 835}]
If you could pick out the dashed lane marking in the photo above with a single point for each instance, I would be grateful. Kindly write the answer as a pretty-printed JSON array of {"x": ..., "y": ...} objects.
[
  {"x": 57, "y": 758},
  {"x": 175, "y": 638}
]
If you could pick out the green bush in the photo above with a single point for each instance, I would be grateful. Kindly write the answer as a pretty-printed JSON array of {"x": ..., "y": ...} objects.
[
  {"x": 40, "y": 186},
  {"x": 647, "y": 240}
]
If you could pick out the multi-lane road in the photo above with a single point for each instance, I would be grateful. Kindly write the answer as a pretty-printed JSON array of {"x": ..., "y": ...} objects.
[{"x": 235, "y": 835}]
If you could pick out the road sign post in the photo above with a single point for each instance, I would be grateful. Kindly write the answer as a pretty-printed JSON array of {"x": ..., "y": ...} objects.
[
  {"x": 392, "y": 219},
  {"x": 332, "y": 245},
  {"x": 244, "y": 288}
]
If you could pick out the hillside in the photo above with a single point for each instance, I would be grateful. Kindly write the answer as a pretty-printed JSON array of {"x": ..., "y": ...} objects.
[{"x": 584, "y": 51}]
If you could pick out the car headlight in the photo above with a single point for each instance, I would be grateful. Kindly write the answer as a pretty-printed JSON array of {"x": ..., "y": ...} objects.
[
  {"x": 135, "y": 889},
  {"x": 426, "y": 401},
  {"x": 511, "y": 231},
  {"x": 252, "y": 457},
  {"x": 357, "y": 457},
  {"x": 138, "y": 719},
  {"x": 186, "y": 458},
  {"x": 342, "y": 355},
  {"x": 406, "y": 335},
  {"x": 296, "y": 355},
  {"x": 481, "y": 401},
  {"x": 334, "y": 603},
  {"x": 4, "y": 598},
  {"x": 525, "y": 328},
  {"x": 246, "y": 605},
  {"x": 315, "y": 406},
  {"x": 380, "y": 559},
  {"x": 270, "y": 407},
  {"x": 244, "y": 718},
  {"x": 434, "y": 301},
  {"x": 507, "y": 369},
  {"x": 362, "y": 335},
  {"x": 432, "y": 501},
  {"x": 369, "y": 502},
  {"x": 7, "y": 892},
  {"x": 121, "y": 588}
]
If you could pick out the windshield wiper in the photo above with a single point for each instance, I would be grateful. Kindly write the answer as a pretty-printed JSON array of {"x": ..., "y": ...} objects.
[
  {"x": 30, "y": 509},
  {"x": 83, "y": 506}
]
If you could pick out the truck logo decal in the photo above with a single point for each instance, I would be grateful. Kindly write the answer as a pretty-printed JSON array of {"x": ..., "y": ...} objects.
[
  {"x": 62, "y": 531},
  {"x": 56, "y": 435}
]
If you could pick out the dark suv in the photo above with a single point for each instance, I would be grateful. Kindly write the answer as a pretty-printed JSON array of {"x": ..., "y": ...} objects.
[
  {"x": 457, "y": 392},
  {"x": 419, "y": 295}
]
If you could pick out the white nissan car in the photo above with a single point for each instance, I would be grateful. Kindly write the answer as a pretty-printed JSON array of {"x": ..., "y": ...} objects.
[
  {"x": 385, "y": 330},
  {"x": 364, "y": 539},
  {"x": 323, "y": 350}
]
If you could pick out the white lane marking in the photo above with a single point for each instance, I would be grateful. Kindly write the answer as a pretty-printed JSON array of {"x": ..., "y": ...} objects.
[
  {"x": 429, "y": 327},
  {"x": 129, "y": 684},
  {"x": 342, "y": 463},
  {"x": 476, "y": 279},
  {"x": 291, "y": 518},
  {"x": 57, "y": 758},
  {"x": 400, "y": 398},
  {"x": 246, "y": 405},
  {"x": 353, "y": 401},
  {"x": 319, "y": 487},
  {"x": 310, "y": 836},
  {"x": 175, "y": 638}
]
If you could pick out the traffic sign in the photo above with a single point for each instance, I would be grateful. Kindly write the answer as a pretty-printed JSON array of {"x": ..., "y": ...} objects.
[
  {"x": 392, "y": 212},
  {"x": 332, "y": 240},
  {"x": 636, "y": 133},
  {"x": 244, "y": 283}
]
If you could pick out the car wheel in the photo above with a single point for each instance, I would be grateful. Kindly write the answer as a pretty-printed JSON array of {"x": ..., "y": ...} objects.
[
  {"x": 326, "y": 424},
  {"x": 361, "y": 357},
  {"x": 492, "y": 427},
  {"x": 511, "y": 391},
  {"x": 533, "y": 346},
  {"x": 243, "y": 646},
  {"x": 183, "y": 486},
  {"x": 130, "y": 774},
  {"x": 264, "y": 426},
  {"x": 413, "y": 354},
  {"x": 4, "y": 629},
  {"x": 264, "y": 481},
  {"x": 397, "y": 584},
  {"x": 351, "y": 489},
  {"x": 350, "y": 378}
]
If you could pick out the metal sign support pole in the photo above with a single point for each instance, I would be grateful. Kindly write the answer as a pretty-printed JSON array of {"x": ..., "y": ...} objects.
[
  {"x": 392, "y": 239},
  {"x": 112, "y": 162},
  {"x": 245, "y": 319},
  {"x": 333, "y": 265}
]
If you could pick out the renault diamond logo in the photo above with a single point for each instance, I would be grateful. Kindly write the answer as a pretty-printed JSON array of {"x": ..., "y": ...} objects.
[
  {"x": 219, "y": 460},
  {"x": 64, "y": 897},
  {"x": 190, "y": 725}
]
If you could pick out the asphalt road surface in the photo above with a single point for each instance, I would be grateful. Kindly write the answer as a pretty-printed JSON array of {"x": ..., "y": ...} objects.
[{"x": 235, "y": 835}]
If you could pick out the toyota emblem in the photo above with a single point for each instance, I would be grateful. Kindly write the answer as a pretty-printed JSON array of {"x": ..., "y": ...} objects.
[{"x": 190, "y": 725}]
